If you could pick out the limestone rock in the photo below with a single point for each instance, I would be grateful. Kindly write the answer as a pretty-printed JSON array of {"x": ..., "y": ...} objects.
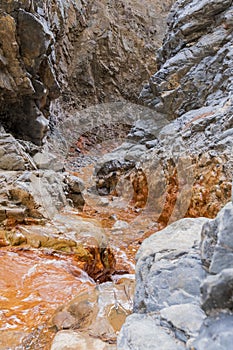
[
  {"x": 215, "y": 333},
  {"x": 217, "y": 241},
  {"x": 217, "y": 291},
  {"x": 168, "y": 269},
  {"x": 144, "y": 332}
]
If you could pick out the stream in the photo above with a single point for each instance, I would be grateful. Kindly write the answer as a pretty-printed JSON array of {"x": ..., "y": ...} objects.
[{"x": 39, "y": 284}]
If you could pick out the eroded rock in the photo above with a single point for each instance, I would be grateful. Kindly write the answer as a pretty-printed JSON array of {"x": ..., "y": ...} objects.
[
  {"x": 166, "y": 300},
  {"x": 217, "y": 243}
]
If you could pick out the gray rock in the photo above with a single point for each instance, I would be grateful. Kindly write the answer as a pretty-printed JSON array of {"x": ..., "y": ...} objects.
[
  {"x": 119, "y": 225},
  {"x": 74, "y": 189},
  {"x": 47, "y": 161},
  {"x": 40, "y": 192},
  {"x": 75, "y": 184},
  {"x": 28, "y": 80},
  {"x": 168, "y": 270},
  {"x": 215, "y": 334},
  {"x": 187, "y": 318},
  {"x": 217, "y": 241},
  {"x": 217, "y": 291},
  {"x": 135, "y": 153},
  {"x": 13, "y": 155},
  {"x": 143, "y": 332}
]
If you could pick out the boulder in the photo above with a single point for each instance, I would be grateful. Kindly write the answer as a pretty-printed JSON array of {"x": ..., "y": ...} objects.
[
  {"x": 167, "y": 311},
  {"x": 169, "y": 270},
  {"x": 98, "y": 313}
]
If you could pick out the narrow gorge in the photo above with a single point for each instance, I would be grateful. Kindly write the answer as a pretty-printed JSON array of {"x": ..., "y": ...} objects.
[{"x": 116, "y": 167}]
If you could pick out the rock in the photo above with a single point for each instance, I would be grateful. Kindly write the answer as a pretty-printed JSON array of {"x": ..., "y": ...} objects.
[
  {"x": 26, "y": 44},
  {"x": 188, "y": 43},
  {"x": 71, "y": 340},
  {"x": 143, "y": 332},
  {"x": 35, "y": 40},
  {"x": 168, "y": 269},
  {"x": 135, "y": 152},
  {"x": 82, "y": 239},
  {"x": 74, "y": 188},
  {"x": 39, "y": 58},
  {"x": 41, "y": 193},
  {"x": 99, "y": 313},
  {"x": 167, "y": 312},
  {"x": 47, "y": 161},
  {"x": 215, "y": 333},
  {"x": 217, "y": 241},
  {"x": 187, "y": 318},
  {"x": 34, "y": 194},
  {"x": 106, "y": 35},
  {"x": 109, "y": 174},
  {"x": 216, "y": 291},
  {"x": 11, "y": 338},
  {"x": 12, "y": 155},
  {"x": 119, "y": 225}
]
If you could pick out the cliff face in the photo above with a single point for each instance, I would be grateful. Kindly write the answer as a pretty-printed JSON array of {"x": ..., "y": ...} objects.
[
  {"x": 86, "y": 51},
  {"x": 194, "y": 59},
  {"x": 28, "y": 81},
  {"x": 191, "y": 93},
  {"x": 184, "y": 294}
]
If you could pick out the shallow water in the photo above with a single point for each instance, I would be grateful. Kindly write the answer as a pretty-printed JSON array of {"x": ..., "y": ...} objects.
[
  {"x": 34, "y": 282},
  {"x": 32, "y": 285}
]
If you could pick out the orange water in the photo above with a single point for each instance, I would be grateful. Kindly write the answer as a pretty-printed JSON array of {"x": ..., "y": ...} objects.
[{"x": 32, "y": 285}]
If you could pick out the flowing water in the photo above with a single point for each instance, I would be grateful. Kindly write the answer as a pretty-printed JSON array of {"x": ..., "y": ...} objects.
[{"x": 34, "y": 283}]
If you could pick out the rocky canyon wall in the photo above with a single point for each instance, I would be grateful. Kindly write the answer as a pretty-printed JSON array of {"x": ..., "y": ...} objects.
[
  {"x": 87, "y": 52},
  {"x": 187, "y": 138},
  {"x": 183, "y": 294}
]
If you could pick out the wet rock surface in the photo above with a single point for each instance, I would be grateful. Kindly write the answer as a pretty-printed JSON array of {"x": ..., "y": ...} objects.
[{"x": 99, "y": 314}]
